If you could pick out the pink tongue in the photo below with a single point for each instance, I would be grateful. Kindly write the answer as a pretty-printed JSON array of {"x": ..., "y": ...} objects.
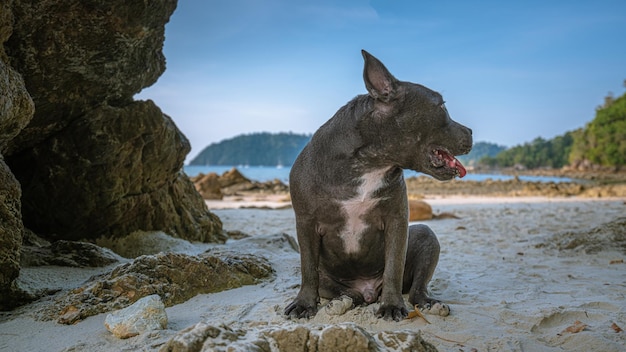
[{"x": 453, "y": 162}]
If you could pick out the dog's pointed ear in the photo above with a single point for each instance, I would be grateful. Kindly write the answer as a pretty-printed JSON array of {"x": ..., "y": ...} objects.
[{"x": 380, "y": 84}]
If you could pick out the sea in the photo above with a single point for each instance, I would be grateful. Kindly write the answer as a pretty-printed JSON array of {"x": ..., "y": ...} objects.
[{"x": 269, "y": 173}]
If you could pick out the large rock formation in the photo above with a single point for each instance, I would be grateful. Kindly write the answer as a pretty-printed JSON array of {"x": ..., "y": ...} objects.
[
  {"x": 89, "y": 161},
  {"x": 16, "y": 110}
]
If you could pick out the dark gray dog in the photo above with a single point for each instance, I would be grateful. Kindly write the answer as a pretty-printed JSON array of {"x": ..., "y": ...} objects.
[{"x": 350, "y": 199}]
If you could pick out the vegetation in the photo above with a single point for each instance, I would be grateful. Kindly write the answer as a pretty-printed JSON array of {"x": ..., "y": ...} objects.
[
  {"x": 479, "y": 151},
  {"x": 601, "y": 142},
  {"x": 540, "y": 152},
  {"x": 256, "y": 149}
]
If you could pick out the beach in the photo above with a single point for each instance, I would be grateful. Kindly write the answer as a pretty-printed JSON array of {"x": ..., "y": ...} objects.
[{"x": 519, "y": 274}]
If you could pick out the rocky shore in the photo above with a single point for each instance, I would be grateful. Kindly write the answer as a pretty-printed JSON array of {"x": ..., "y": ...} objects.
[
  {"x": 233, "y": 185},
  {"x": 425, "y": 186}
]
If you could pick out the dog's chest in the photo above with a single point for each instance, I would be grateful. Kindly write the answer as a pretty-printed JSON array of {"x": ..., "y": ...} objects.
[{"x": 356, "y": 208}]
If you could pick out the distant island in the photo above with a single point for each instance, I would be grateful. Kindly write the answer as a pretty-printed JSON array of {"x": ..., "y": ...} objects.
[
  {"x": 272, "y": 149},
  {"x": 255, "y": 149}
]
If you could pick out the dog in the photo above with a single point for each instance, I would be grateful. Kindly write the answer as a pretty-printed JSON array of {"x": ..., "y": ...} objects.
[{"x": 350, "y": 199}]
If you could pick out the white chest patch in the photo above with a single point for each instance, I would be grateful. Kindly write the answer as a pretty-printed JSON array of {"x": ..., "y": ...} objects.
[{"x": 354, "y": 209}]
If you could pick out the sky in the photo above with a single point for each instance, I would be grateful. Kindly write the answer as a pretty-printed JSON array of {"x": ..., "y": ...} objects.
[{"x": 512, "y": 71}]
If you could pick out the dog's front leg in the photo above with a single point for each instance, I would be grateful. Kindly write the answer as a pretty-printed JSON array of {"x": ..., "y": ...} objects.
[
  {"x": 305, "y": 304},
  {"x": 392, "y": 304}
]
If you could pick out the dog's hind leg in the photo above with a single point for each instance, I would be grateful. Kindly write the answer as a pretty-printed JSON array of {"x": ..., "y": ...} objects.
[{"x": 421, "y": 261}]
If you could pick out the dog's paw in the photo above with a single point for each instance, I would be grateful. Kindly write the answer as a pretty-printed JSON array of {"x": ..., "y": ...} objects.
[
  {"x": 392, "y": 312},
  {"x": 338, "y": 306},
  {"x": 436, "y": 308},
  {"x": 297, "y": 309}
]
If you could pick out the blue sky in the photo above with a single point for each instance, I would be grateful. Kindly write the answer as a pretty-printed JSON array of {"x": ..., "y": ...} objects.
[{"x": 510, "y": 70}]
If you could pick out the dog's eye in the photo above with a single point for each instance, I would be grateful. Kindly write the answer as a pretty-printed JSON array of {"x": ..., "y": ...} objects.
[{"x": 443, "y": 106}]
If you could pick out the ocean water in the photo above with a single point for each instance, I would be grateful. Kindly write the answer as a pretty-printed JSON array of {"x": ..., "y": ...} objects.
[{"x": 269, "y": 173}]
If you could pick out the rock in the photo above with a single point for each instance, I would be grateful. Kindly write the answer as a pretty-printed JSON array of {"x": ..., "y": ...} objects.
[
  {"x": 121, "y": 176},
  {"x": 11, "y": 230},
  {"x": 16, "y": 106},
  {"x": 338, "y": 306},
  {"x": 6, "y": 25},
  {"x": 146, "y": 243},
  {"x": 16, "y": 110},
  {"x": 76, "y": 55},
  {"x": 419, "y": 210},
  {"x": 338, "y": 337},
  {"x": 232, "y": 182},
  {"x": 144, "y": 315},
  {"x": 208, "y": 186},
  {"x": 90, "y": 161},
  {"x": 232, "y": 177},
  {"x": 68, "y": 253},
  {"x": 174, "y": 277}
]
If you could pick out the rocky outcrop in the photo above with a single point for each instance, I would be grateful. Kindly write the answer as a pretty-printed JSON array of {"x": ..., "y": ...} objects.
[
  {"x": 174, "y": 277},
  {"x": 232, "y": 182},
  {"x": 421, "y": 186},
  {"x": 340, "y": 337},
  {"x": 16, "y": 110},
  {"x": 208, "y": 186},
  {"x": 76, "y": 55},
  {"x": 122, "y": 175},
  {"x": 81, "y": 159},
  {"x": 11, "y": 231}
]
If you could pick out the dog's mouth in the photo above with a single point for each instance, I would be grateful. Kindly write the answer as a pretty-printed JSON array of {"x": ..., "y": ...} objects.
[{"x": 442, "y": 159}]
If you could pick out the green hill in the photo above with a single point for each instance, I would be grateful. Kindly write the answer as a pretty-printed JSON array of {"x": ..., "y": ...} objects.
[
  {"x": 480, "y": 150},
  {"x": 601, "y": 142},
  {"x": 256, "y": 149}
]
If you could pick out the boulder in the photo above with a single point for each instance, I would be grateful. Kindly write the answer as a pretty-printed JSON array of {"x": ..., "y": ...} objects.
[
  {"x": 144, "y": 315},
  {"x": 11, "y": 230},
  {"x": 419, "y": 210},
  {"x": 208, "y": 186},
  {"x": 76, "y": 55},
  {"x": 174, "y": 277},
  {"x": 16, "y": 105},
  {"x": 337, "y": 337},
  {"x": 232, "y": 177},
  {"x": 121, "y": 175},
  {"x": 16, "y": 110}
]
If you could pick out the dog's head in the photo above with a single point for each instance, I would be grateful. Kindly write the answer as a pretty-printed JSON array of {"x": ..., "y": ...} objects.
[{"x": 412, "y": 123}]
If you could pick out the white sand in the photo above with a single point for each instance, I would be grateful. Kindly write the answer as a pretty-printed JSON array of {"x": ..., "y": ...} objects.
[{"x": 505, "y": 294}]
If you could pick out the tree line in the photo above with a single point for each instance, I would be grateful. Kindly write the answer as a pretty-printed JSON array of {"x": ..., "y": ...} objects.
[{"x": 601, "y": 142}]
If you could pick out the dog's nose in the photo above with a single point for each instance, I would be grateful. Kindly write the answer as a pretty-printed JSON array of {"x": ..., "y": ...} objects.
[{"x": 470, "y": 130}]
